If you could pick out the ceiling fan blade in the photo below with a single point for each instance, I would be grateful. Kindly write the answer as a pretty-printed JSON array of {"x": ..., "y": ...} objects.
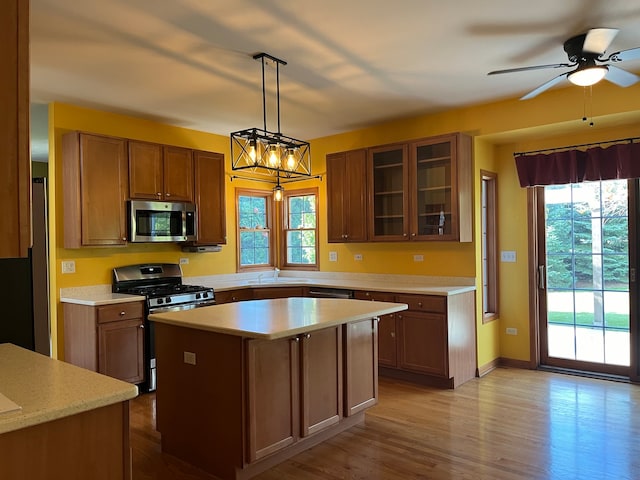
[
  {"x": 624, "y": 55},
  {"x": 535, "y": 67},
  {"x": 621, "y": 77},
  {"x": 544, "y": 86},
  {"x": 597, "y": 40}
]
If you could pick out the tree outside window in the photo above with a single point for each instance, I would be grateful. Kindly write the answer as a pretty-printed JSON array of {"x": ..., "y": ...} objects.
[
  {"x": 300, "y": 232},
  {"x": 254, "y": 229}
]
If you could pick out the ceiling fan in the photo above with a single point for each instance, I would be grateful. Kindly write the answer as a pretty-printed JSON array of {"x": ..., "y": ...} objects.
[{"x": 586, "y": 52}]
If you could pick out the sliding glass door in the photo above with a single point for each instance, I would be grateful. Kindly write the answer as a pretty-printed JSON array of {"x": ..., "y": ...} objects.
[{"x": 584, "y": 271}]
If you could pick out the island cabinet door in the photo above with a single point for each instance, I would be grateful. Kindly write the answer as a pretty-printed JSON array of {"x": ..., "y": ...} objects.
[
  {"x": 360, "y": 365},
  {"x": 273, "y": 395},
  {"x": 321, "y": 379}
]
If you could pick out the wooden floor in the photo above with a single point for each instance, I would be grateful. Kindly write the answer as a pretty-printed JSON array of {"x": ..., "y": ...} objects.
[{"x": 512, "y": 424}]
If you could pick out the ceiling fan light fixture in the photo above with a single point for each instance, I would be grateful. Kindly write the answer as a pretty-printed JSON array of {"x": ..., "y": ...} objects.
[{"x": 585, "y": 77}]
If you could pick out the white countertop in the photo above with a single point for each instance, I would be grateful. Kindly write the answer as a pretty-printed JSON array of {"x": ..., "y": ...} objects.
[
  {"x": 96, "y": 295},
  {"x": 48, "y": 389},
  {"x": 277, "y": 318}
]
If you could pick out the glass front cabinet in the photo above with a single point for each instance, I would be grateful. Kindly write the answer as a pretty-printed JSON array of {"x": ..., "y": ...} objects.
[{"x": 421, "y": 190}]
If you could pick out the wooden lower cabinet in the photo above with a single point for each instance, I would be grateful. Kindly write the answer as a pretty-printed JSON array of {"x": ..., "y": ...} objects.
[
  {"x": 236, "y": 295},
  {"x": 108, "y": 339},
  {"x": 423, "y": 343},
  {"x": 432, "y": 342},
  {"x": 387, "y": 345},
  {"x": 92, "y": 444},
  {"x": 294, "y": 389},
  {"x": 361, "y": 366}
]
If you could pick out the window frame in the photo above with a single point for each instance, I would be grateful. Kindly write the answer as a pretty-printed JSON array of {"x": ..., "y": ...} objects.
[
  {"x": 283, "y": 229},
  {"x": 271, "y": 227},
  {"x": 489, "y": 245}
]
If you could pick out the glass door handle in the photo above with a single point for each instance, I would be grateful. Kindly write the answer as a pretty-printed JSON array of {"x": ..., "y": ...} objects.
[{"x": 541, "y": 277}]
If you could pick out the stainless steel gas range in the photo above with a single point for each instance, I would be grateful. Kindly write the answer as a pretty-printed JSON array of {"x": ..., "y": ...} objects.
[{"x": 161, "y": 285}]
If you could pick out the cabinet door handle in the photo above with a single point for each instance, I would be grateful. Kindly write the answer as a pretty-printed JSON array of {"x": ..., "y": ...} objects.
[
  {"x": 307, "y": 335},
  {"x": 159, "y": 194},
  {"x": 142, "y": 325},
  {"x": 393, "y": 334},
  {"x": 123, "y": 313},
  {"x": 167, "y": 194},
  {"x": 413, "y": 234},
  {"x": 296, "y": 339},
  {"x": 420, "y": 304}
]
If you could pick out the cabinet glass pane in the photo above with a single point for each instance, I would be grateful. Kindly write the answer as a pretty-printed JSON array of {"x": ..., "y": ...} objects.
[
  {"x": 433, "y": 181},
  {"x": 388, "y": 192}
]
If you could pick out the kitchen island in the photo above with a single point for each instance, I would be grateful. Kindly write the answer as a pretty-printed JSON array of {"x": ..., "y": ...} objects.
[
  {"x": 243, "y": 386},
  {"x": 63, "y": 421}
]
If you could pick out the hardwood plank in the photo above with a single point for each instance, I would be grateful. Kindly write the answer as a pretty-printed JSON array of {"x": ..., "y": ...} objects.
[{"x": 510, "y": 424}]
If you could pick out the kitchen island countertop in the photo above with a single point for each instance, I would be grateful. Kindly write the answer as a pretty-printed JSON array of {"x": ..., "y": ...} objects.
[{"x": 277, "y": 318}]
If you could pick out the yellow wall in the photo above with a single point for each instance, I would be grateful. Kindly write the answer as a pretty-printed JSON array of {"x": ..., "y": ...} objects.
[{"x": 499, "y": 129}]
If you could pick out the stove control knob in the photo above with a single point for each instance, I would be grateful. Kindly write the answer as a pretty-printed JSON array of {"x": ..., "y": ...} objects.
[
  {"x": 167, "y": 300},
  {"x": 197, "y": 296},
  {"x": 205, "y": 294},
  {"x": 160, "y": 300}
]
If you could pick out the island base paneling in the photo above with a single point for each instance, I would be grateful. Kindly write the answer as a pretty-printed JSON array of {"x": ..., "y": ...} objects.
[{"x": 211, "y": 405}]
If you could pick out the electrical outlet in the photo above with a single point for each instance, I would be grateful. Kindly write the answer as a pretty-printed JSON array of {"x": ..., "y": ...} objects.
[
  {"x": 68, "y": 266},
  {"x": 333, "y": 256},
  {"x": 190, "y": 358},
  {"x": 418, "y": 258},
  {"x": 508, "y": 256},
  {"x": 512, "y": 331},
  {"x": 184, "y": 261},
  {"x": 357, "y": 257}
]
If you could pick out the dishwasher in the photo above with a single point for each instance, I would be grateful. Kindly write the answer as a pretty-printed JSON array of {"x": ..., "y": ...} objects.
[{"x": 323, "y": 292}]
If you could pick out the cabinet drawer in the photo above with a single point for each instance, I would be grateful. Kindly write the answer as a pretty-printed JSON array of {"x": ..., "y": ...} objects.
[
  {"x": 120, "y": 311},
  {"x": 424, "y": 303},
  {"x": 375, "y": 296}
]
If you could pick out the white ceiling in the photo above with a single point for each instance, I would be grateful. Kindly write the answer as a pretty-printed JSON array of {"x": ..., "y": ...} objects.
[{"x": 351, "y": 63}]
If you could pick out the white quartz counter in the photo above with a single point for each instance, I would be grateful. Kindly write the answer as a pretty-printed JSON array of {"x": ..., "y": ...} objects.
[
  {"x": 48, "y": 389},
  {"x": 277, "y": 318},
  {"x": 95, "y": 295}
]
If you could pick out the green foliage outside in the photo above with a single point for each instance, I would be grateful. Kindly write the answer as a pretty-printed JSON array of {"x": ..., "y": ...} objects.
[
  {"x": 587, "y": 245},
  {"x": 301, "y": 233}
]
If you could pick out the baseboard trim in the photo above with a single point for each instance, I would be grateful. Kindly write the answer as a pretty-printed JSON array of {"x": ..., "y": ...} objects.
[
  {"x": 513, "y": 363},
  {"x": 487, "y": 367}
]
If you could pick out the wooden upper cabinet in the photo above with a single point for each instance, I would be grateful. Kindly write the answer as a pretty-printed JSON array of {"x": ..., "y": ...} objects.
[
  {"x": 178, "y": 174},
  {"x": 347, "y": 196},
  {"x": 160, "y": 172},
  {"x": 95, "y": 179},
  {"x": 145, "y": 171},
  {"x": 209, "y": 183},
  {"x": 15, "y": 166},
  {"x": 422, "y": 190}
]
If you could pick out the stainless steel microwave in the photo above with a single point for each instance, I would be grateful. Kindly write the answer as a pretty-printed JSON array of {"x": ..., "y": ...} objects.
[{"x": 151, "y": 221}]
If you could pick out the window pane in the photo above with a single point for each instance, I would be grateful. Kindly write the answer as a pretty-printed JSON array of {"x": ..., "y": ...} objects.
[
  {"x": 300, "y": 235},
  {"x": 253, "y": 229}
]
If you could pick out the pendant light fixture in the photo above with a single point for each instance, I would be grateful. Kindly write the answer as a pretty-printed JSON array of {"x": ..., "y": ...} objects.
[{"x": 270, "y": 156}]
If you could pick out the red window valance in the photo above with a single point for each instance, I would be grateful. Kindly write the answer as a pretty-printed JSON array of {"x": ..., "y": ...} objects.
[{"x": 617, "y": 161}]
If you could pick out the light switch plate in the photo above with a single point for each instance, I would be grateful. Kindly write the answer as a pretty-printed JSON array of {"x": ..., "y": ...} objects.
[
  {"x": 357, "y": 257},
  {"x": 184, "y": 261},
  {"x": 68, "y": 266},
  {"x": 333, "y": 256},
  {"x": 508, "y": 256},
  {"x": 418, "y": 258}
]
